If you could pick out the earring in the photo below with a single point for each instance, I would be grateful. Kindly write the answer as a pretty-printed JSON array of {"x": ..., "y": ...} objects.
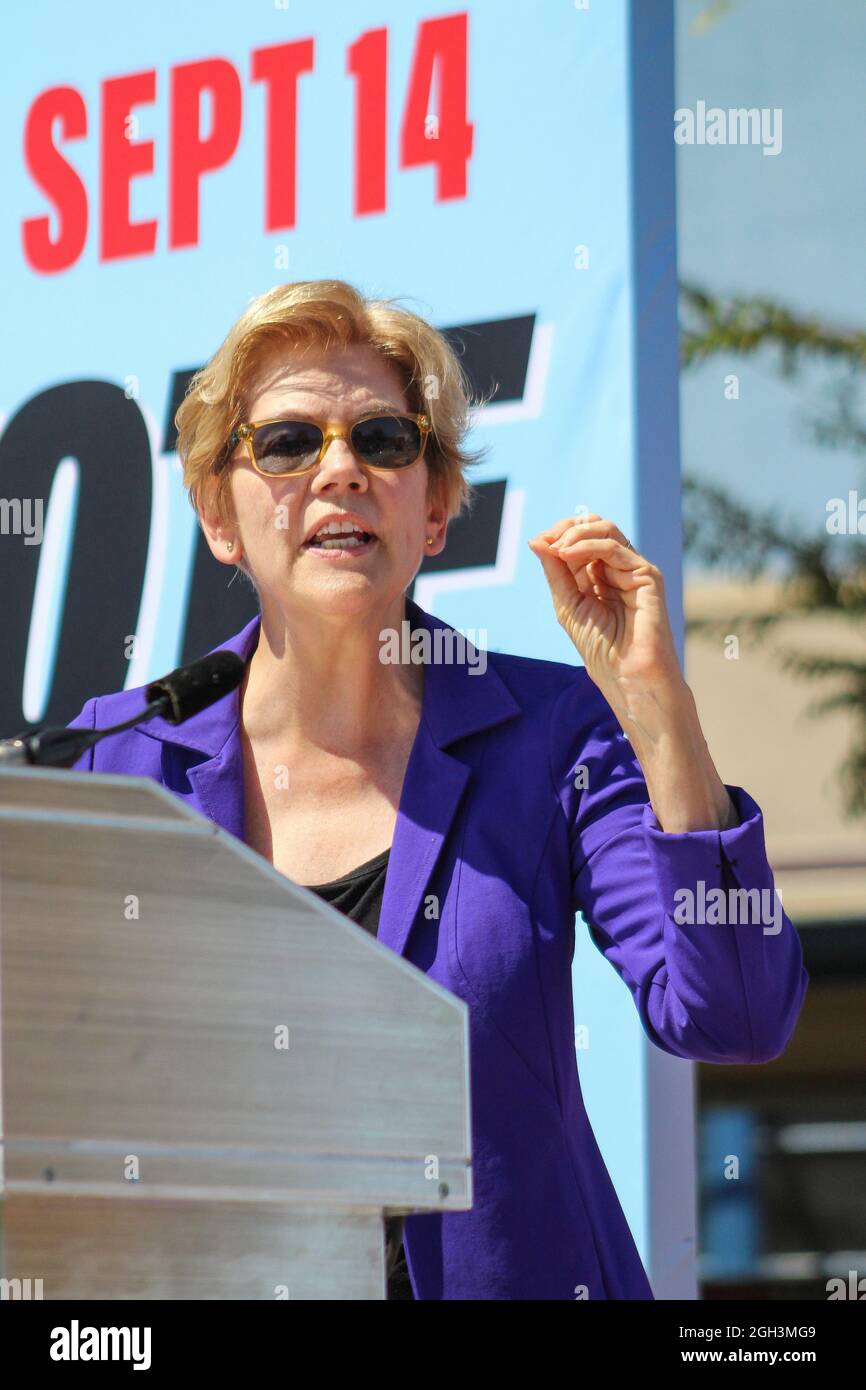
[
  {"x": 230, "y": 546},
  {"x": 429, "y": 540}
]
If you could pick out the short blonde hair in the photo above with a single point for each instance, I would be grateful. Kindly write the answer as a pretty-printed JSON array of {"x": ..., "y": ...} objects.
[{"x": 326, "y": 314}]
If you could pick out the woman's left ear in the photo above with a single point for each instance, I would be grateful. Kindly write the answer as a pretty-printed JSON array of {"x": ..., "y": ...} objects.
[
  {"x": 436, "y": 532},
  {"x": 222, "y": 538}
]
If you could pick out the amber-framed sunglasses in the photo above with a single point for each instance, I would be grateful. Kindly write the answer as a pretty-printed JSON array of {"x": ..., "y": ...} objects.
[{"x": 288, "y": 446}]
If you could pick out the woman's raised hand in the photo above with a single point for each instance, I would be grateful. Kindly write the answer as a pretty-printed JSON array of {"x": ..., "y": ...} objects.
[{"x": 610, "y": 601}]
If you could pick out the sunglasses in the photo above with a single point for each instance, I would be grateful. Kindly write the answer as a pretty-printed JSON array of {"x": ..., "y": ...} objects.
[{"x": 279, "y": 448}]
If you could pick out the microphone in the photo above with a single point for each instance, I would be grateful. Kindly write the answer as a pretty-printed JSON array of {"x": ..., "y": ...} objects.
[
  {"x": 176, "y": 697},
  {"x": 192, "y": 688}
]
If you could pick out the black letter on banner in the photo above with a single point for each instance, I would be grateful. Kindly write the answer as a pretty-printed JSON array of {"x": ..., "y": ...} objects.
[
  {"x": 94, "y": 423},
  {"x": 221, "y": 601}
]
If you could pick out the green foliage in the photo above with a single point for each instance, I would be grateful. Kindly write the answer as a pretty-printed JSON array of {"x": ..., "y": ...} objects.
[
  {"x": 818, "y": 573},
  {"x": 709, "y": 15},
  {"x": 743, "y": 324}
]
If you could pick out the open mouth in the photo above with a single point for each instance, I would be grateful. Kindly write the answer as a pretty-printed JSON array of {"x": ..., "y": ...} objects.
[{"x": 341, "y": 536}]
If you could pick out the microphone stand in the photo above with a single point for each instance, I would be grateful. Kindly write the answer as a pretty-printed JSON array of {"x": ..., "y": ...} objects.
[
  {"x": 61, "y": 747},
  {"x": 177, "y": 696}
]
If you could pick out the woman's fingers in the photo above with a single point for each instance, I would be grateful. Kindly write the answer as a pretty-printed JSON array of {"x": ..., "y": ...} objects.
[
  {"x": 596, "y": 553},
  {"x": 552, "y": 533},
  {"x": 586, "y": 527},
  {"x": 580, "y": 550}
]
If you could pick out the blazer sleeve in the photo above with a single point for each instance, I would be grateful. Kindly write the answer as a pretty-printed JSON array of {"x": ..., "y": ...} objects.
[
  {"x": 85, "y": 720},
  {"x": 716, "y": 977}
]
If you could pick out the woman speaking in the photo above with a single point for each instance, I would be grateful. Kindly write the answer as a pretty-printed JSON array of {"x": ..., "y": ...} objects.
[{"x": 322, "y": 448}]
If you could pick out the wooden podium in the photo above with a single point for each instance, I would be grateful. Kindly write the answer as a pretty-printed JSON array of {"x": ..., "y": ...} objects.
[{"x": 214, "y": 1085}]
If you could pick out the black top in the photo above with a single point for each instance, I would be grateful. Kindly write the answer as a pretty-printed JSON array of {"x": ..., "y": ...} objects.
[{"x": 359, "y": 895}]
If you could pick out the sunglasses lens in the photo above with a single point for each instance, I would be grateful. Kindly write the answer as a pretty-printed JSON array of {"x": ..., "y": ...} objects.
[
  {"x": 286, "y": 446},
  {"x": 389, "y": 441}
]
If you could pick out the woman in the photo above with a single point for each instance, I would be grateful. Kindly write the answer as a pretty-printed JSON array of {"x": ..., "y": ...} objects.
[{"x": 322, "y": 448}]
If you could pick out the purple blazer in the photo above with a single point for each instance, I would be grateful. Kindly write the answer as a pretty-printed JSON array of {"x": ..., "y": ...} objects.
[{"x": 490, "y": 820}]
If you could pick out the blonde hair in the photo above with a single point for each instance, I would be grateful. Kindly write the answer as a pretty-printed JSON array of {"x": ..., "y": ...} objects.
[{"x": 326, "y": 314}]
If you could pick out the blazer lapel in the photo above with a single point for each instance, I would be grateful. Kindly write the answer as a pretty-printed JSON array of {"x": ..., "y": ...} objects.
[
  {"x": 217, "y": 781},
  {"x": 432, "y": 791},
  {"x": 457, "y": 704},
  {"x": 219, "y": 786}
]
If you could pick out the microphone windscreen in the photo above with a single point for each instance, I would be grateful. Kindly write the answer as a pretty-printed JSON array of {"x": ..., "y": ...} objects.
[{"x": 192, "y": 688}]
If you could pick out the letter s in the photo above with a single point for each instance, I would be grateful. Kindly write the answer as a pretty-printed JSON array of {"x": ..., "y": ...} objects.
[{"x": 57, "y": 179}]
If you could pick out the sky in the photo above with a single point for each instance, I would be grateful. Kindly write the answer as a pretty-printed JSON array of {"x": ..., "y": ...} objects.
[{"x": 790, "y": 226}]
